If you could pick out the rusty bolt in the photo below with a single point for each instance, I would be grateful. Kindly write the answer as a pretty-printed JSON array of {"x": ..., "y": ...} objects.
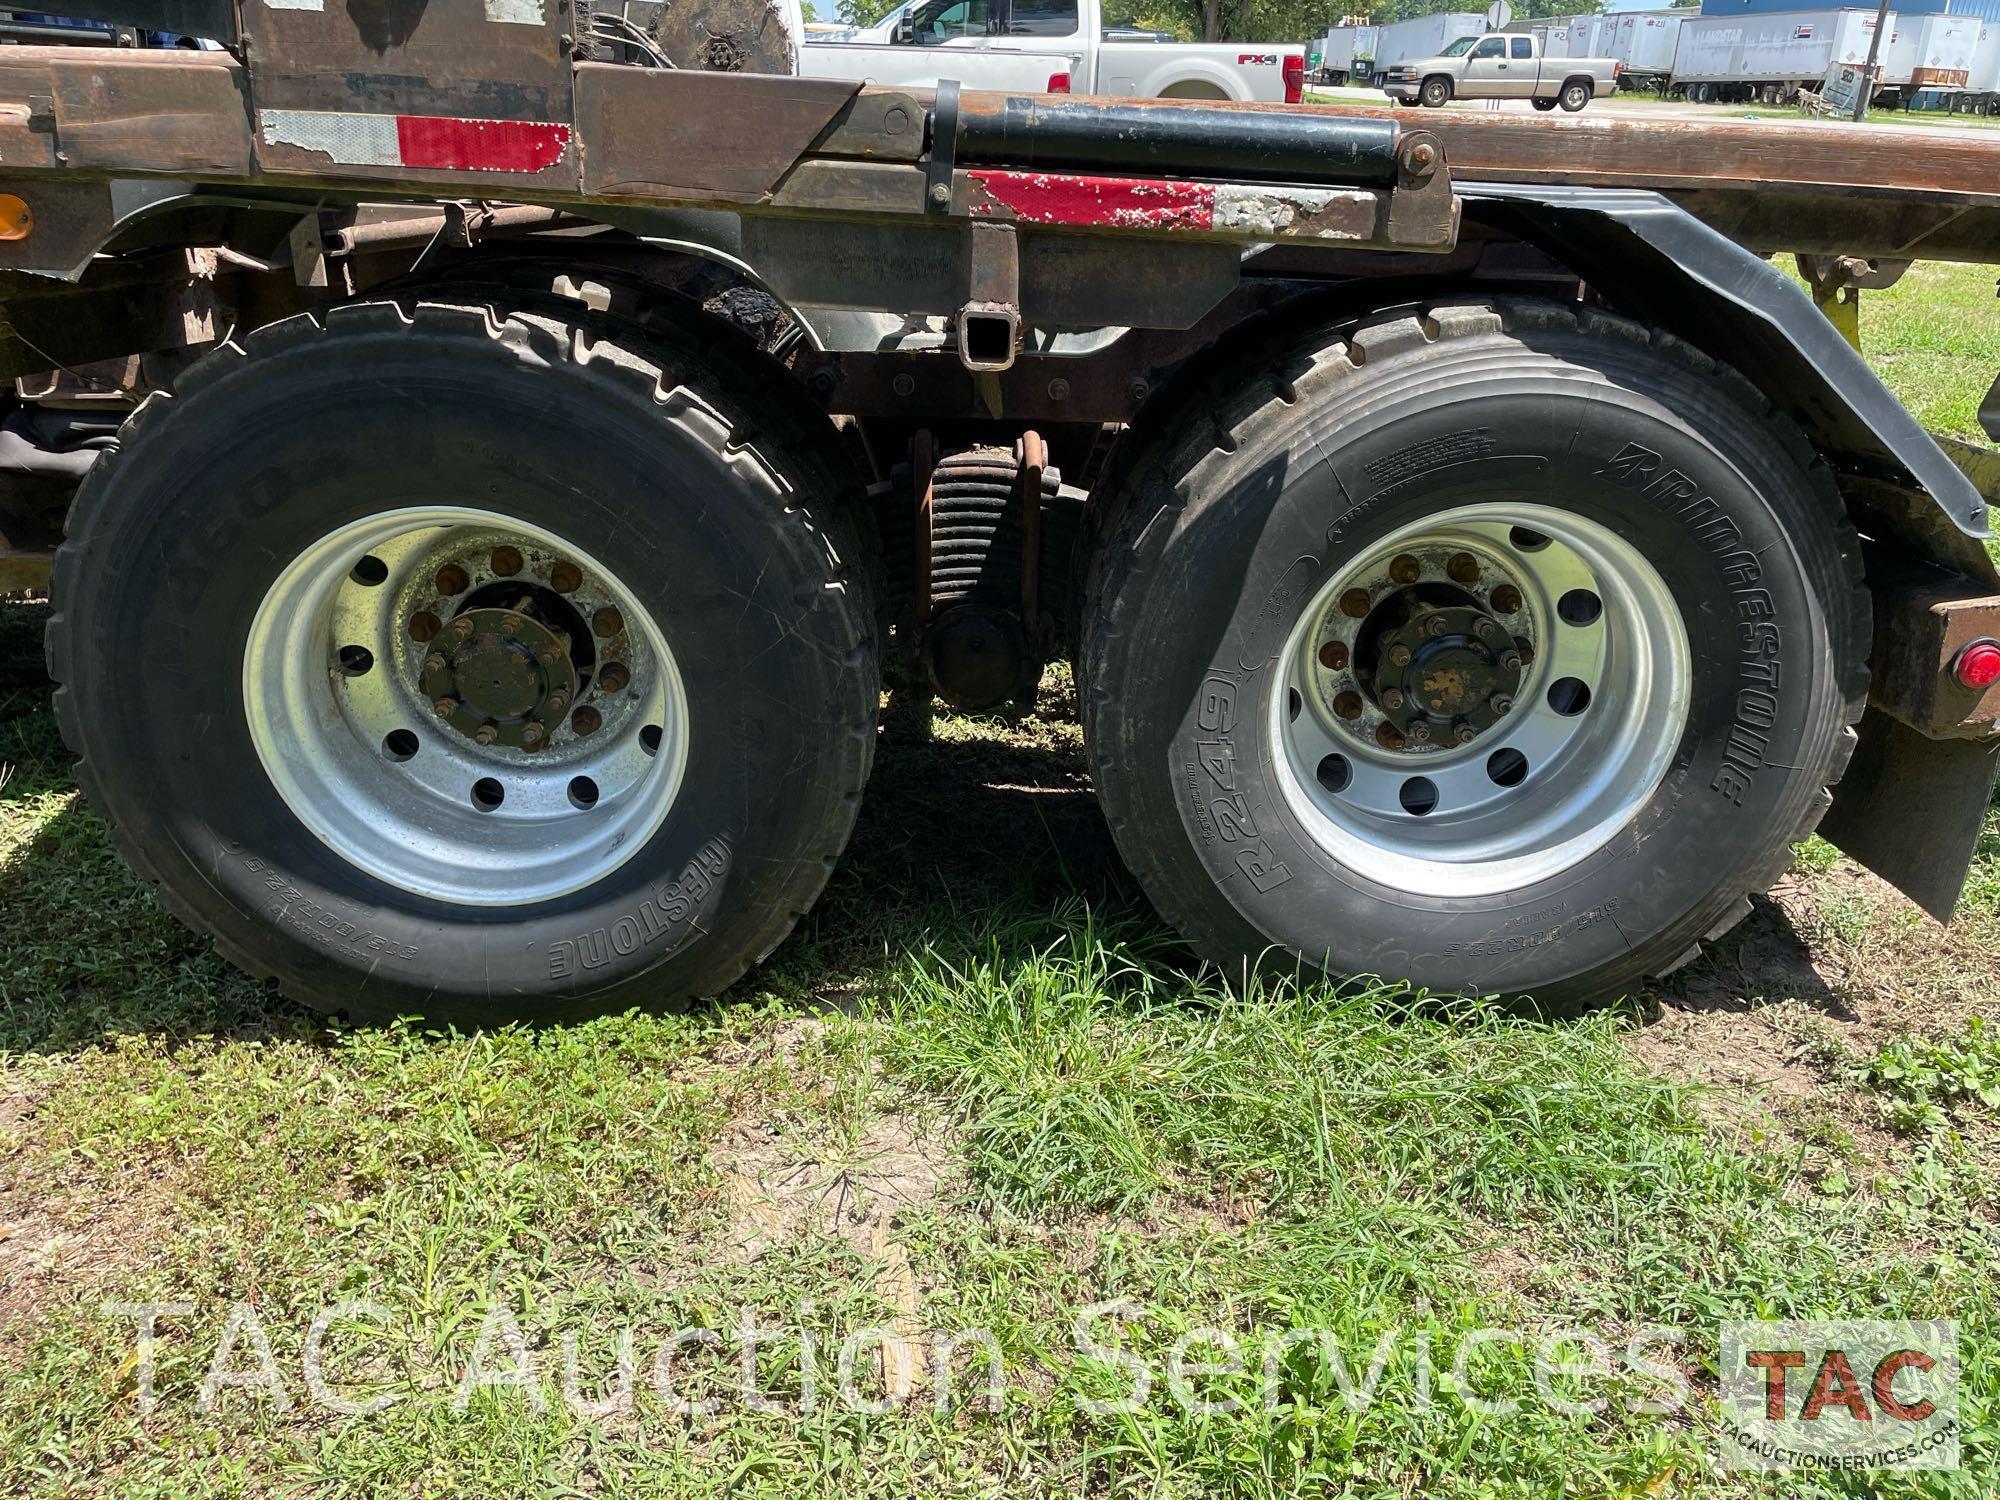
[
  {"x": 461, "y": 628},
  {"x": 558, "y": 701},
  {"x": 1436, "y": 625},
  {"x": 1421, "y": 159},
  {"x": 614, "y": 677},
  {"x": 1348, "y": 705},
  {"x": 485, "y": 734},
  {"x": 904, "y": 385},
  {"x": 445, "y": 707},
  {"x": 1058, "y": 389},
  {"x": 940, "y": 193},
  {"x": 607, "y": 622},
  {"x": 1485, "y": 629},
  {"x": 533, "y": 735},
  {"x": 1463, "y": 733},
  {"x": 1462, "y": 567},
  {"x": 1333, "y": 656},
  {"x": 1507, "y": 599},
  {"x": 452, "y": 579},
  {"x": 1501, "y": 704},
  {"x": 1137, "y": 389},
  {"x": 424, "y": 626},
  {"x": 1399, "y": 655},
  {"x": 1405, "y": 569},
  {"x": 506, "y": 561},
  {"x": 586, "y": 720},
  {"x": 1354, "y": 604},
  {"x": 1392, "y": 698},
  {"x": 1388, "y": 736},
  {"x": 434, "y": 662},
  {"x": 565, "y": 578},
  {"x": 512, "y": 620},
  {"x": 1420, "y": 732},
  {"x": 1511, "y": 661},
  {"x": 895, "y": 121},
  {"x": 1527, "y": 649}
]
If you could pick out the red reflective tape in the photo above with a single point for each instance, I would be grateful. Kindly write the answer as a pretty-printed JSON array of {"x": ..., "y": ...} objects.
[
  {"x": 1117, "y": 202},
  {"x": 453, "y": 145}
]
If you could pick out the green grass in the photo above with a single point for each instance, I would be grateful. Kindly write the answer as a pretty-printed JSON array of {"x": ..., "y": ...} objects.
[{"x": 982, "y": 1087}]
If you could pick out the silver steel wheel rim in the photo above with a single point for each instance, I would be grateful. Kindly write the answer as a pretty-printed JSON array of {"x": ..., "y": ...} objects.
[
  {"x": 333, "y": 740},
  {"x": 1587, "y": 771}
]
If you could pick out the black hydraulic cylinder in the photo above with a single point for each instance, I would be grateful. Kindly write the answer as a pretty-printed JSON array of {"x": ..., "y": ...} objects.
[{"x": 1162, "y": 139}]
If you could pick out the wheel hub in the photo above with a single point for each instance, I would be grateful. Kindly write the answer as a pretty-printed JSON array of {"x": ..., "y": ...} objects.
[
  {"x": 1441, "y": 670},
  {"x": 501, "y": 676}
]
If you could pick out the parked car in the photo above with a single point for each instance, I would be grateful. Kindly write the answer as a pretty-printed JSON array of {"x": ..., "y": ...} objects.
[
  {"x": 1033, "y": 43},
  {"x": 1500, "y": 66}
]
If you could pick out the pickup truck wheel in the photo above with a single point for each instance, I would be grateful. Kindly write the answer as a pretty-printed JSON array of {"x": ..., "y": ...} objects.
[
  {"x": 1504, "y": 647},
  {"x": 459, "y": 661},
  {"x": 1575, "y": 94},
  {"x": 1436, "y": 93}
]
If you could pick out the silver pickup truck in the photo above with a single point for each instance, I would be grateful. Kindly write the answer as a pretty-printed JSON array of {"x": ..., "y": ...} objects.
[{"x": 1500, "y": 66}]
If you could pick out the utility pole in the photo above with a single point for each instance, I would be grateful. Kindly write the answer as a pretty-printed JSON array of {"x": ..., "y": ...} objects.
[{"x": 1867, "y": 90}]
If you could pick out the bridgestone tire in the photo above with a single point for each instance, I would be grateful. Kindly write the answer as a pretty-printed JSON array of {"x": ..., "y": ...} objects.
[
  {"x": 720, "y": 501},
  {"x": 1256, "y": 484}
]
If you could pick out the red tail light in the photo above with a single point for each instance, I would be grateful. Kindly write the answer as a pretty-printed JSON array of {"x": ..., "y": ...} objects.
[
  {"x": 1978, "y": 665},
  {"x": 1295, "y": 77},
  {"x": 1058, "y": 84}
]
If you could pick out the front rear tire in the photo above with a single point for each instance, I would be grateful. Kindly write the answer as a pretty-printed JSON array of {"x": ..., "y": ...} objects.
[
  {"x": 1436, "y": 93},
  {"x": 1503, "y": 647},
  {"x": 471, "y": 662}
]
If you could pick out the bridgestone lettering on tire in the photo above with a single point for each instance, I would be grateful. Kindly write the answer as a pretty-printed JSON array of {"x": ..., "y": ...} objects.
[
  {"x": 1576, "y": 535},
  {"x": 593, "y": 593}
]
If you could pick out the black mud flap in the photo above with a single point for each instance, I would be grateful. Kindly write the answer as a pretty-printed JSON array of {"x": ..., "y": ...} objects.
[{"x": 1911, "y": 808}]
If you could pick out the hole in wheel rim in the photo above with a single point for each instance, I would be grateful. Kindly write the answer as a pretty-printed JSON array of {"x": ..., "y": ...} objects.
[
  {"x": 355, "y": 661},
  {"x": 583, "y": 794},
  {"x": 369, "y": 572},
  {"x": 1580, "y": 607},
  {"x": 399, "y": 744},
  {"x": 1569, "y": 696},
  {"x": 487, "y": 794},
  {"x": 649, "y": 739},
  {"x": 1419, "y": 796},
  {"x": 1507, "y": 767},
  {"x": 1335, "y": 773},
  {"x": 1525, "y": 539},
  {"x": 1293, "y": 703}
]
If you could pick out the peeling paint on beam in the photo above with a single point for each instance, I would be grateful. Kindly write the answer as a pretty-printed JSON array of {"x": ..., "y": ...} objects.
[{"x": 1257, "y": 211}]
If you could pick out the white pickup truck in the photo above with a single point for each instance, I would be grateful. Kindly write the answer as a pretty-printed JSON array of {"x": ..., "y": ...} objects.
[
  {"x": 1503, "y": 65},
  {"x": 1051, "y": 46}
]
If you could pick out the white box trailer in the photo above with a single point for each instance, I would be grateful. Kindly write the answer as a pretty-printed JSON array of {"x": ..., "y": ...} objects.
[
  {"x": 1643, "y": 42},
  {"x": 1933, "y": 52},
  {"x": 1985, "y": 77},
  {"x": 1342, "y": 46},
  {"x": 1774, "y": 54},
  {"x": 1424, "y": 36}
]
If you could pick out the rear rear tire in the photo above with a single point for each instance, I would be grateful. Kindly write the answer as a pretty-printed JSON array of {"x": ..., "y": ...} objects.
[
  {"x": 1684, "y": 540},
  {"x": 1574, "y": 96}
]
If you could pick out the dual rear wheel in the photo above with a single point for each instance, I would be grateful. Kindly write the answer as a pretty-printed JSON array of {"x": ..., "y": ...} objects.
[{"x": 521, "y": 666}]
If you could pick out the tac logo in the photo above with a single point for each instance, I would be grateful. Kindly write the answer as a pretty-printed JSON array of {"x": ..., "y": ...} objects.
[{"x": 1844, "y": 1395}]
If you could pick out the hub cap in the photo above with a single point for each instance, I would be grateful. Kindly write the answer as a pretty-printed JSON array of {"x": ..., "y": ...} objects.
[
  {"x": 1481, "y": 701},
  {"x": 464, "y": 706}
]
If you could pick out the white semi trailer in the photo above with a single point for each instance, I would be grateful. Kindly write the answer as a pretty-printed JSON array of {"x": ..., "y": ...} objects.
[{"x": 1770, "y": 58}]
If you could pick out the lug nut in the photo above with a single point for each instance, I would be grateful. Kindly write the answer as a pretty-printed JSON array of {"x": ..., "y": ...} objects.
[
  {"x": 1388, "y": 736},
  {"x": 533, "y": 736},
  {"x": 1392, "y": 698},
  {"x": 614, "y": 677},
  {"x": 1506, "y": 599},
  {"x": 505, "y": 561},
  {"x": 1354, "y": 604},
  {"x": 565, "y": 578},
  {"x": 512, "y": 621},
  {"x": 1399, "y": 655},
  {"x": 461, "y": 628},
  {"x": 558, "y": 701},
  {"x": 1501, "y": 704},
  {"x": 1333, "y": 656},
  {"x": 1511, "y": 661},
  {"x": 1436, "y": 625},
  {"x": 1463, "y": 568},
  {"x": 1420, "y": 732},
  {"x": 1348, "y": 705},
  {"x": 1526, "y": 650},
  {"x": 1485, "y": 629},
  {"x": 445, "y": 707},
  {"x": 452, "y": 579},
  {"x": 424, "y": 626},
  {"x": 434, "y": 663},
  {"x": 485, "y": 734},
  {"x": 586, "y": 720},
  {"x": 607, "y": 622},
  {"x": 1463, "y": 733},
  {"x": 1405, "y": 569}
]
